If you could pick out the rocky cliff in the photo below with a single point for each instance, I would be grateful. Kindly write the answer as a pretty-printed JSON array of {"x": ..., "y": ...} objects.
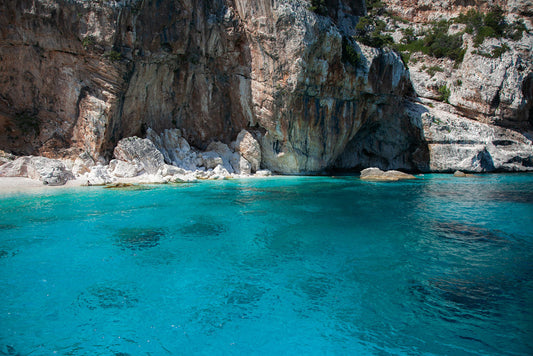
[{"x": 78, "y": 76}]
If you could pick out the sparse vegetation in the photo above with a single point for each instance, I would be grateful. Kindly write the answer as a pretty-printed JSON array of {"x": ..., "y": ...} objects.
[
  {"x": 436, "y": 40},
  {"x": 88, "y": 41},
  {"x": 491, "y": 24},
  {"x": 319, "y": 7},
  {"x": 370, "y": 31},
  {"x": 375, "y": 7},
  {"x": 349, "y": 53},
  {"x": 434, "y": 69},
  {"x": 444, "y": 93},
  {"x": 113, "y": 56},
  {"x": 496, "y": 52}
]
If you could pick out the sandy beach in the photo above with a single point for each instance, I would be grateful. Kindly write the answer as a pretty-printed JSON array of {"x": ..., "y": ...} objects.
[{"x": 21, "y": 185}]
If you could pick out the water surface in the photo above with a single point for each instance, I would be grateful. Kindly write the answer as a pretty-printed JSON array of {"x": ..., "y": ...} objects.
[{"x": 290, "y": 265}]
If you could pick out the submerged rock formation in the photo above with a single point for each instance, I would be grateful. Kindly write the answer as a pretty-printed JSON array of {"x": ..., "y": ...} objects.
[{"x": 234, "y": 86}]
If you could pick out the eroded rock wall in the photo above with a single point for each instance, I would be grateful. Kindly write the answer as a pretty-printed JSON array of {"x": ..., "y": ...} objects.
[
  {"x": 309, "y": 101},
  {"x": 78, "y": 76},
  {"x": 485, "y": 96},
  {"x": 96, "y": 72}
]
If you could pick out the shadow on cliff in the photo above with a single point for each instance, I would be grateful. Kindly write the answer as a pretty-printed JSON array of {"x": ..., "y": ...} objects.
[
  {"x": 392, "y": 138},
  {"x": 191, "y": 70},
  {"x": 98, "y": 72}
]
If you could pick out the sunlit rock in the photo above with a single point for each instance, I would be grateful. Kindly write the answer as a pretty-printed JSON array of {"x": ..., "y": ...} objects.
[
  {"x": 376, "y": 174},
  {"x": 142, "y": 152}
]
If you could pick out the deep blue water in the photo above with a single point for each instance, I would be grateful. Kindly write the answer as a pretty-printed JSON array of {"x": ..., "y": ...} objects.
[{"x": 290, "y": 265}]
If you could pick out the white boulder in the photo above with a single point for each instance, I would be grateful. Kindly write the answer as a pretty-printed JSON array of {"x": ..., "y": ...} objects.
[
  {"x": 143, "y": 152},
  {"x": 249, "y": 148},
  {"x": 124, "y": 169},
  {"x": 49, "y": 171}
]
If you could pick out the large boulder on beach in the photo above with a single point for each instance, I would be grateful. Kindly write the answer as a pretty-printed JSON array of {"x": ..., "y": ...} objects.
[
  {"x": 124, "y": 169},
  {"x": 6, "y": 157},
  {"x": 175, "y": 148},
  {"x": 241, "y": 165},
  {"x": 227, "y": 155},
  {"x": 83, "y": 164},
  {"x": 98, "y": 175},
  {"x": 141, "y": 152},
  {"x": 376, "y": 174},
  {"x": 210, "y": 159},
  {"x": 249, "y": 148},
  {"x": 49, "y": 171},
  {"x": 57, "y": 177}
]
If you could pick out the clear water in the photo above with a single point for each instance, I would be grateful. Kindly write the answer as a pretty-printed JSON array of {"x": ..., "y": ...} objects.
[{"x": 294, "y": 265}]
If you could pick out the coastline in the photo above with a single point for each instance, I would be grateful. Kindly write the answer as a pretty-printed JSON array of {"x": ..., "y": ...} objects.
[
  {"x": 11, "y": 185},
  {"x": 23, "y": 184}
]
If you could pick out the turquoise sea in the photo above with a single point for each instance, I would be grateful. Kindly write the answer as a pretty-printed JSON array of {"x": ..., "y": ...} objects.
[{"x": 277, "y": 266}]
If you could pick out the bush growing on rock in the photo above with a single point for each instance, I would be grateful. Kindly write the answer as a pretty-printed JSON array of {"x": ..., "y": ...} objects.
[
  {"x": 491, "y": 24},
  {"x": 444, "y": 93},
  {"x": 113, "y": 56},
  {"x": 370, "y": 31},
  {"x": 319, "y": 7},
  {"x": 349, "y": 53}
]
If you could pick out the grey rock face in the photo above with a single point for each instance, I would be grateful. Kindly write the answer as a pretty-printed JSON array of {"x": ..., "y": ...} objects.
[
  {"x": 458, "y": 143},
  {"x": 249, "y": 149},
  {"x": 49, "y": 171},
  {"x": 225, "y": 153},
  {"x": 124, "y": 169},
  {"x": 6, "y": 157},
  {"x": 56, "y": 177},
  {"x": 175, "y": 149},
  {"x": 142, "y": 152},
  {"x": 97, "y": 71}
]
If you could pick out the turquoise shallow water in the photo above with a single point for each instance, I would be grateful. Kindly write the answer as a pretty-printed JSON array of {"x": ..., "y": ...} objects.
[{"x": 290, "y": 265}]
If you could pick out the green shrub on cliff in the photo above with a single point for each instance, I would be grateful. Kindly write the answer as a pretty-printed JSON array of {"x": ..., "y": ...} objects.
[
  {"x": 350, "y": 54},
  {"x": 113, "y": 56},
  {"x": 436, "y": 42},
  {"x": 491, "y": 24},
  {"x": 444, "y": 93},
  {"x": 496, "y": 52},
  {"x": 88, "y": 41},
  {"x": 319, "y": 7},
  {"x": 371, "y": 32}
]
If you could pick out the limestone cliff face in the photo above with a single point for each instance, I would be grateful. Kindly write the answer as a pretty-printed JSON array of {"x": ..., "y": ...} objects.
[
  {"x": 76, "y": 76},
  {"x": 85, "y": 73},
  {"x": 96, "y": 72},
  {"x": 485, "y": 98},
  {"x": 308, "y": 101}
]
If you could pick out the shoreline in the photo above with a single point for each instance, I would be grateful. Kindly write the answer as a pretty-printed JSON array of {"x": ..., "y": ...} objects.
[
  {"x": 11, "y": 185},
  {"x": 23, "y": 184}
]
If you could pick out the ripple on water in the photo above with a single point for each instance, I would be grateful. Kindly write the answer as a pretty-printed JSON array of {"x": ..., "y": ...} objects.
[
  {"x": 203, "y": 226},
  {"x": 7, "y": 227},
  {"x": 245, "y": 294},
  {"x": 6, "y": 254},
  {"x": 139, "y": 238},
  {"x": 103, "y": 296},
  {"x": 468, "y": 233},
  {"x": 455, "y": 299}
]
